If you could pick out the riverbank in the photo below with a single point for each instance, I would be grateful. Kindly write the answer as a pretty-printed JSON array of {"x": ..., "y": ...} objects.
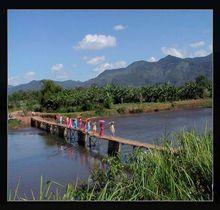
[
  {"x": 133, "y": 108},
  {"x": 121, "y": 109},
  {"x": 21, "y": 120},
  {"x": 14, "y": 123},
  {"x": 145, "y": 175}
]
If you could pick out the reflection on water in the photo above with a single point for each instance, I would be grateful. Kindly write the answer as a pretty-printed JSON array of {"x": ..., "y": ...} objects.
[{"x": 32, "y": 152}]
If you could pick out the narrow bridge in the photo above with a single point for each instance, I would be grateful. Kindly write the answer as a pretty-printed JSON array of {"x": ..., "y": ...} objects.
[{"x": 114, "y": 143}]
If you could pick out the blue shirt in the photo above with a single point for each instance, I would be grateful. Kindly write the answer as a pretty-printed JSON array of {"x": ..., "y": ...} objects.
[
  {"x": 75, "y": 124},
  {"x": 88, "y": 128}
]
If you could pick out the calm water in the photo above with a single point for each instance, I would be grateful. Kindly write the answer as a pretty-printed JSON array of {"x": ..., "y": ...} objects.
[{"x": 32, "y": 152}]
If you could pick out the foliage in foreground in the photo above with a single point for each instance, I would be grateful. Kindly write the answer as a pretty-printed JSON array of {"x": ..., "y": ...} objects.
[{"x": 146, "y": 175}]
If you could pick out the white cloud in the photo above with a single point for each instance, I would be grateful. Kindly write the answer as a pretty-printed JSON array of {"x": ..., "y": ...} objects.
[
  {"x": 85, "y": 58},
  {"x": 119, "y": 64},
  {"x": 96, "y": 60},
  {"x": 174, "y": 52},
  {"x": 96, "y": 42},
  {"x": 183, "y": 54},
  {"x": 119, "y": 27},
  {"x": 104, "y": 66},
  {"x": 74, "y": 65},
  {"x": 201, "y": 53},
  {"x": 57, "y": 67},
  {"x": 30, "y": 75},
  {"x": 58, "y": 72},
  {"x": 14, "y": 80},
  {"x": 197, "y": 44},
  {"x": 210, "y": 48},
  {"x": 152, "y": 59},
  {"x": 63, "y": 75}
]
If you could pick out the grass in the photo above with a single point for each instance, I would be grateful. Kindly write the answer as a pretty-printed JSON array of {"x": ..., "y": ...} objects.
[
  {"x": 151, "y": 107},
  {"x": 146, "y": 175},
  {"x": 14, "y": 123},
  {"x": 200, "y": 103}
]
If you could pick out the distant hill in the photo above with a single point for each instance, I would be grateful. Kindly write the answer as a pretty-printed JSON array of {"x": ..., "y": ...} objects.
[
  {"x": 36, "y": 85},
  {"x": 171, "y": 69}
]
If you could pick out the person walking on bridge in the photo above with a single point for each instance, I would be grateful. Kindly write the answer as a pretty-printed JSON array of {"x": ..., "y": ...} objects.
[
  {"x": 70, "y": 125},
  {"x": 94, "y": 128},
  {"x": 112, "y": 128},
  {"x": 80, "y": 124},
  {"x": 61, "y": 119},
  {"x": 102, "y": 125},
  {"x": 58, "y": 118},
  {"x": 87, "y": 130},
  {"x": 88, "y": 125},
  {"x": 75, "y": 124},
  {"x": 67, "y": 121}
]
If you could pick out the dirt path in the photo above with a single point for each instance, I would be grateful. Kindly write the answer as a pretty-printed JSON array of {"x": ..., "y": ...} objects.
[{"x": 25, "y": 118}]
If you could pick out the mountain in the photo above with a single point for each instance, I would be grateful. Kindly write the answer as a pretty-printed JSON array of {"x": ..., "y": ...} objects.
[
  {"x": 168, "y": 69},
  {"x": 36, "y": 85},
  {"x": 171, "y": 69}
]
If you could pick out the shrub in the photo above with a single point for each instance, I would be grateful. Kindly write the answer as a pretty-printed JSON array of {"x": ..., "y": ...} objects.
[{"x": 121, "y": 110}]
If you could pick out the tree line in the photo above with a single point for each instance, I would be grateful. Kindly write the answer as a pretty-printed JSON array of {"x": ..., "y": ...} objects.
[{"x": 53, "y": 98}]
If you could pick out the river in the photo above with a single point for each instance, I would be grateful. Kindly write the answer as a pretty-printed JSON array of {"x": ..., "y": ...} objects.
[{"x": 32, "y": 152}]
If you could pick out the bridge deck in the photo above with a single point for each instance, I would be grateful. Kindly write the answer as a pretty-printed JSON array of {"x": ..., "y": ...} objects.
[{"x": 108, "y": 138}]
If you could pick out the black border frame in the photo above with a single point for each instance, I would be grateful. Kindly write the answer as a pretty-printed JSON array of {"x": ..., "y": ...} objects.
[{"x": 113, "y": 4}]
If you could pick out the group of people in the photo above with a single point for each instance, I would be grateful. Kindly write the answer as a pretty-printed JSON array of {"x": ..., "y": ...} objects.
[{"x": 87, "y": 126}]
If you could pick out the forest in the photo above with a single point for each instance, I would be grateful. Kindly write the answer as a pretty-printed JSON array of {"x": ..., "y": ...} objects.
[{"x": 53, "y": 98}]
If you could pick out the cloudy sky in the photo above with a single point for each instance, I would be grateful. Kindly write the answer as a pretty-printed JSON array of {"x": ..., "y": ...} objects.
[{"x": 80, "y": 44}]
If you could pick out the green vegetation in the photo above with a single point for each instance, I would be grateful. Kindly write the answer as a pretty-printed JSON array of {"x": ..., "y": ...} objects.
[
  {"x": 53, "y": 98},
  {"x": 145, "y": 175},
  {"x": 14, "y": 123},
  {"x": 129, "y": 108}
]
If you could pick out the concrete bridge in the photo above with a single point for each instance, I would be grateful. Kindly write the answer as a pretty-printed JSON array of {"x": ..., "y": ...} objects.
[{"x": 114, "y": 143}]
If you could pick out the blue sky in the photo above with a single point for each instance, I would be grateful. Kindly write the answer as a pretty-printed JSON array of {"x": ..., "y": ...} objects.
[{"x": 80, "y": 44}]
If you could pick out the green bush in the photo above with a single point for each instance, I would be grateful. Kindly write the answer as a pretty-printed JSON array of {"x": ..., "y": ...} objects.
[
  {"x": 14, "y": 123},
  {"x": 99, "y": 110}
]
